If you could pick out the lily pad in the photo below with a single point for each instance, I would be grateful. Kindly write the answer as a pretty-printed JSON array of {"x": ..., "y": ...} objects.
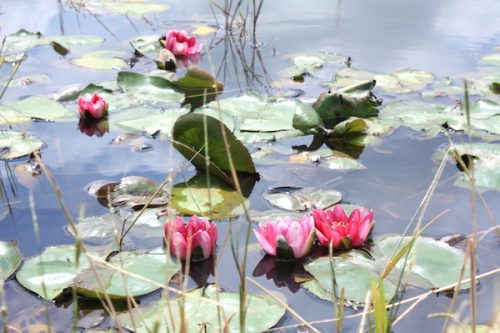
[
  {"x": 151, "y": 120},
  {"x": 147, "y": 46},
  {"x": 434, "y": 261},
  {"x": 10, "y": 259},
  {"x": 485, "y": 164},
  {"x": 491, "y": 59},
  {"x": 102, "y": 60},
  {"x": 134, "y": 191},
  {"x": 150, "y": 269},
  {"x": 353, "y": 272},
  {"x": 14, "y": 144},
  {"x": 149, "y": 88},
  {"x": 326, "y": 158},
  {"x": 310, "y": 63},
  {"x": 300, "y": 199},
  {"x": 400, "y": 82},
  {"x": 128, "y": 7},
  {"x": 201, "y": 311},
  {"x": 352, "y": 101},
  {"x": 48, "y": 273},
  {"x": 29, "y": 80},
  {"x": 207, "y": 197},
  {"x": 200, "y": 87},
  {"x": 189, "y": 139},
  {"x": 42, "y": 108}
]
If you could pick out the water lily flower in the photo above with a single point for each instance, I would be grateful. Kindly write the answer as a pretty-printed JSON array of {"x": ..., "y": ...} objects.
[
  {"x": 286, "y": 238},
  {"x": 94, "y": 105},
  {"x": 333, "y": 226},
  {"x": 195, "y": 239},
  {"x": 179, "y": 43}
]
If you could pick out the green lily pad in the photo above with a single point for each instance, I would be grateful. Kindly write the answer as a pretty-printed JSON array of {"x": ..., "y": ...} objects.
[
  {"x": 352, "y": 101},
  {"x": 10, "y": 116},
  {"x": 189, "y": 139},
  {"x": 485, "y": 164},
  {"x": 200, "y": 87},
  {"x": 128, "y": 7},
  {"x": 490, "y": 59},
  {"x": 353, "y": 273},
  {"x": 149, "y": 88},
  {"x": 10, "y": 259},
  {"x": 400, "y": 82},
  {"x": 39, "y": 107},
  {"x": 150, "y": 269},
  {"x": 48, "y": 273},
  {"x": 29, "y": 80},
  {"x": 310, "y": 63},
  {"x": 102, "y": 60},
  {"x": 300, "y": 199},
  {"x": 434, "y": 261},
  {"x": 14, "y": 144},
  {"x": 134, "y": 191},
  {"x": 151, "y": 121},
  {"x": 262, "y": 313},
  {"x": 147, "y": 46},
  {"x": 207, "y": 197}
]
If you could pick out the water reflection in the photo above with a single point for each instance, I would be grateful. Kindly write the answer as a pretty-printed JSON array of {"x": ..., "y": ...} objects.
[
  {"x": 289, "y": 274},
  {"x": 91, "y": 127}
]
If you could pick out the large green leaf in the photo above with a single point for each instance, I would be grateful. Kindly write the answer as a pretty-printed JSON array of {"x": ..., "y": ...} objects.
[
  {"x": 51, "y": 271},
  {"x": 147, "y": 272},
  {"x": 148, "y": 46},
  {"x": 10, "y": 258},
  {"x": 200, "y": 87},
  {"x": 202, "y": 313},
  {"x": 14, "y": 144},
  {"x": 149, "y": 88},
  {"x": 434, "y": 261},
  {"x": 189, "y": 139},
  {"x": 210, "y": 197},
  {"x": 353, "y": 272},
  {"x": 102, "y": 60}
]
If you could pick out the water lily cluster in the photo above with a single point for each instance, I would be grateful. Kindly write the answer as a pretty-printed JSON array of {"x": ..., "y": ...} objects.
[{"x": 289, "y": 239}]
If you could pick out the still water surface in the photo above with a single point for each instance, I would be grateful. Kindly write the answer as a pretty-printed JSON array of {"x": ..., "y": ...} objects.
[{"x": 443, "y": 37}]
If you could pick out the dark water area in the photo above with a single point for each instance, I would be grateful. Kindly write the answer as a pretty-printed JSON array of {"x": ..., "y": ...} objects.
[{"x": 443, "y": 37}]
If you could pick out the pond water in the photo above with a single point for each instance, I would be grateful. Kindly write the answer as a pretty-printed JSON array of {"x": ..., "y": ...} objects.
[{"x": 444, "y": 38}]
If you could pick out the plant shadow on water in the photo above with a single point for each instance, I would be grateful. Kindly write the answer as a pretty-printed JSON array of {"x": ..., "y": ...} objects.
[{"x": 386, "y": 158}]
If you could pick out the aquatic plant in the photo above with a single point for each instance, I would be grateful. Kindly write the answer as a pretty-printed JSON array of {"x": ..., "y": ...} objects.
[
  {"x": 286, "y": 238},
  {"x": 334, "y": 227},
  {"x": 180, "y": 43},
  {"x": 194, "y": 240},
  {"x": 93, "y": 105}
]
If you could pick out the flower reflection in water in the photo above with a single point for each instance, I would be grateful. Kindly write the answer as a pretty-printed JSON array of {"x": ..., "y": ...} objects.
[
  {"x": 91, "y": 127},
  {"x": 288, "y": 274}
]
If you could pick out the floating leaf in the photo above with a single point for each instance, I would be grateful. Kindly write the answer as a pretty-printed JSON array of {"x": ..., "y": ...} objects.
[
  {"x": 310, "y": 63},
  {"x": 352, "y": 101},
  {"x": 432, "y": 260},
  {"x": 400, "y": 82},
  {"x": 151, "y": 121},
  {"x": 129, "y": 7},
  {"x": 39, "y": 107},
  {"x": 328, "y": 159},
  {"x": 150, "y": 88},
  {"x": 208, "y": 197},
  {"x": 485, "y": 164},
  {"x": 25, "y": 81},
  {"x": 299, "y": 199},
  {"x": 148, "y": 46},
  {"x": 203, "y": 30},
  {"x": 10, "y": 258},
  {"x": 201, "y": 311},
  {"x": 15, "y": 144},
  {"x": 150, "y": 270},
  {"x": 189, "y": 139},
  {"x": 491, "y": 59},
  {"x": 200, "y": 87},
  {"x": 48, "y": 273},
  {"x": 102, "y": 60},
  {"x": 134, "y": 191},
  {"x": 353, "y": 272}
]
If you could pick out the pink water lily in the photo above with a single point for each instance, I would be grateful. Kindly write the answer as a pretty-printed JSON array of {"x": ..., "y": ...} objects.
[
  {"x": 195, "y": 239},
  {"x": 179, "y": 43},
  {"x": 286, "y": 238},
  {"x": 92, "y": 104},
  {"x": 333, "y": 226}
]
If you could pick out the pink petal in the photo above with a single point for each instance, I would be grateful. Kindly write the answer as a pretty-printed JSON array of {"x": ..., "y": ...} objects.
[
  {"x": 338, "y": 214},
  {"x": 267, "y": 240},
  {"x": 202, "y": 239},
  {"x": 178, "y": 246}
]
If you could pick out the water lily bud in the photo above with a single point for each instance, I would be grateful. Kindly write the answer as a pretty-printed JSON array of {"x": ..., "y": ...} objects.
[{"x": 93, "y": 105}]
